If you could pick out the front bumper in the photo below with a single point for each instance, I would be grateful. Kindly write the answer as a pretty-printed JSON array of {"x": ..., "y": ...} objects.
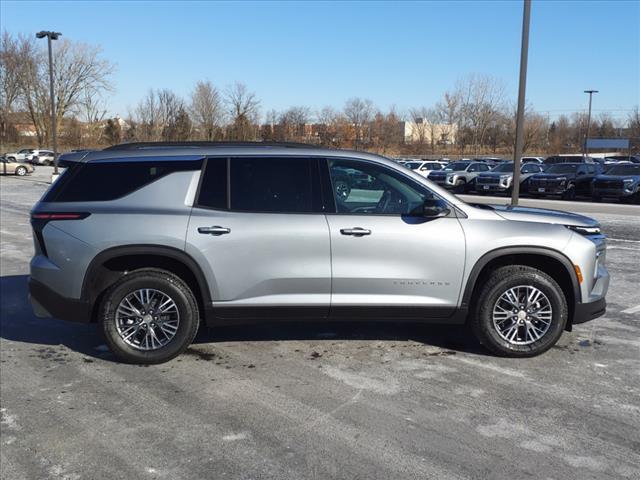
[
  {"x": 611, "y": 192},
  {"x": 547, "y": 190},
  {"x": 588, "y": 311},
  {"x": 47, "y": 303}
]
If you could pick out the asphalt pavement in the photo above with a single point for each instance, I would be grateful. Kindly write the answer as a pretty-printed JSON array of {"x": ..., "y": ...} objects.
[{"x": 318, "y": 401}]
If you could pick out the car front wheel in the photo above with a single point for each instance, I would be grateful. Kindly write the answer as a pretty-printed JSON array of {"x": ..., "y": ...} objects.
[
  {"x": 520, "y": 311},
  {"x": 149, "y": 316},
  {"x": 21, "y": 171}
]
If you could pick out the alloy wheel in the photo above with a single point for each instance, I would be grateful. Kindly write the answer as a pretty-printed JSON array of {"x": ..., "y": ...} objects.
[
  {"x": 522, "y": 315},
  {"x": 147, "y": 319}
]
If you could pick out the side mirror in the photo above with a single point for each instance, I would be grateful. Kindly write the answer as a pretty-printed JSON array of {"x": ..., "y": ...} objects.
[{"x": 435, "y": 208}]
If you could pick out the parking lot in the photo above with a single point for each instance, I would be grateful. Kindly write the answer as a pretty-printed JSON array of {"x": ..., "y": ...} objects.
[{"x": 319, "y": 401}]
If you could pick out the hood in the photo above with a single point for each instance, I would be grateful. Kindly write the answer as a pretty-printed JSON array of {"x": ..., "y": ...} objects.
[
  {"x": 542, "y": 215},
  {"x": 554, "y": 175},
  {"x": 620, "y": 178},
  {"x": 496, "y": 174}
]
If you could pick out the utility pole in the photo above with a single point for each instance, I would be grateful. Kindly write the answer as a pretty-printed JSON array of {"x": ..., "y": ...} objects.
[
  {"x": 524, "y": 55},
  {"x": 54, "y": 140},
  {"x": 586, "y": 138}
]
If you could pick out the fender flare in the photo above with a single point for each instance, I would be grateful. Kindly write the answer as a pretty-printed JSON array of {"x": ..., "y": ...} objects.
[
  {"x": 516, "y": 250},
  {"x": 143, "y": 249}
]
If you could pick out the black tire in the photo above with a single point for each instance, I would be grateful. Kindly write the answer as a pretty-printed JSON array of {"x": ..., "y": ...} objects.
[
  {"x": 21, "y": 171},
  {"x": 570, "y": 194},
  {"x": 597, "y": 199},
  {"x": 168, "y": 284},
  {"x": 498, "y": 282},
  {"x": 460, "y": 187}
]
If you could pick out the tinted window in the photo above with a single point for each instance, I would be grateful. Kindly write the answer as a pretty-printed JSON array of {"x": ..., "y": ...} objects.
[
  {"x": 365, "y": 188},
  {"x": 272, "y": 184},
  {"x": 95, "y": 182},
  {"x": 504, "y": 167},
  {"x": 560, "y": 168},
  {"x": 457, "y": 166},
  {"x": 624, "y": 170},
  {"x": 530, "y": 168},
  {"x": 591, "y": 169},
  {"x": 213, "y": 187}
]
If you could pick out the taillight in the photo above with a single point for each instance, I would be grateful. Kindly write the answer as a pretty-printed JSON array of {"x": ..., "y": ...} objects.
[
  {"x": 59, "y": 216},
  {"x": 40, "y": 219}
]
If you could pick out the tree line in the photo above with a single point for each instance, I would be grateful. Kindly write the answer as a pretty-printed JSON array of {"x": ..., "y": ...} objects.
[{"x": 475, "y": 116}]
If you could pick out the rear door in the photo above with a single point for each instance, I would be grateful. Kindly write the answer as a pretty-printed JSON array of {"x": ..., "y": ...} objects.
[
  {"x": 258, "y": 230},
  {"x": 385, "y": 256}
]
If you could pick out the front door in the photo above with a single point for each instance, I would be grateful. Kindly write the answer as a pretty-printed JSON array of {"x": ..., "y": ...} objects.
[
  {"x": 384, "y": 253},
  {"x": 259, "y": 233}
]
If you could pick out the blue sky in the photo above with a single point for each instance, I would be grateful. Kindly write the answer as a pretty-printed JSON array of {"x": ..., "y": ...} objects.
[{"x": 318, "y": 53}]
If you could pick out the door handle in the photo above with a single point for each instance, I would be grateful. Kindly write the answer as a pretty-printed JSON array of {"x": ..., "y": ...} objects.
[
  {"x": 356, "y": 231},
  {"x": 215, "y": 230}
]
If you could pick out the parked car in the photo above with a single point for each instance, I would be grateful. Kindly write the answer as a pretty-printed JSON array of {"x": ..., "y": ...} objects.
[
  {"x": 13, "y": 167},
  {"x": 458, "y": 175},
  {"x": 565, "y": 179},
  {"x": 552, "y": 160},
  {"x": 21, "y": 155},
  {"x": 622, "y": 158},
  {"x": 621, "y": 181},
  {"x": 149, "y": 240},
  {"x": 500, "y": 179},
  {"x": 42, "y": 157},
  {"x": 424, "y": 167},
  {"x": 539, "y": 160}
]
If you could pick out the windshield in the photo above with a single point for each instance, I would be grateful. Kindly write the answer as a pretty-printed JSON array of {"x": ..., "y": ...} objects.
[
  {"x": 504, "y": 167},
  {"x": 412, "y": 165},
  {"x": 562, "y": 168},
  {"x": 624, "y": 170},
  {"x": 457, "y": 166}
]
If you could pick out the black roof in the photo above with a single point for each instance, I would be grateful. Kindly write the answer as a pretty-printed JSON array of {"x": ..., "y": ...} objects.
[{"x": 199, "y": 144}]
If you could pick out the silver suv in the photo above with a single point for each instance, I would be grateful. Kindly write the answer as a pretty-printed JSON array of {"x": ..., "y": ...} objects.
[{"x": 150, "y": 240}]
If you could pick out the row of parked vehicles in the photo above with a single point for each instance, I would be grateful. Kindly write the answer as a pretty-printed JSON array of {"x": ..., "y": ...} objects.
[
  {"x": 34, "y": 156},
  {"x": 568, "y": 177}
]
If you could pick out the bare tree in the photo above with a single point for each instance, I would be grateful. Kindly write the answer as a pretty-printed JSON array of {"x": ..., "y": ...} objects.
[
  {"x": 206, "y": 109},
  {"x": 482, "y": 102},
  {"x": 243, "y": 107},
  {"x": 9, "y": 81},
  {"x": 292, "y": 123},
  {"x": 360, "y": 113},
  {"x": 78, "y": 70},
  {"x": 418, "y": 125}
]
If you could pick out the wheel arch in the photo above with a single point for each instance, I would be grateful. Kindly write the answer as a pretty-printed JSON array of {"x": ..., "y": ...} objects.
[
  {"x": 111, "y": 264},
  {"x": 550, "y": 261}
]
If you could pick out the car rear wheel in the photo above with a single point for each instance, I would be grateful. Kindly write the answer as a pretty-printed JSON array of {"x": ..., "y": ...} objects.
[
  {"x": 520, "y": 312},
  {"x": 149, "y": 316},
  {"x": 21, "y": 171}
]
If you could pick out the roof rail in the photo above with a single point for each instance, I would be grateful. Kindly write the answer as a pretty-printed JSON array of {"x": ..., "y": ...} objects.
[{"x": 197, "y": 144}]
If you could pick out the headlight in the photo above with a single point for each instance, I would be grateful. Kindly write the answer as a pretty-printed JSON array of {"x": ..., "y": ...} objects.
[{"x": 584, "y": 230}]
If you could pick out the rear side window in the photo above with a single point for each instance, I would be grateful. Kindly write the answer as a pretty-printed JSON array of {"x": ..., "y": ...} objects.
[
  {"x": 98, "y": 182},
  {"x": 272, "y": 184},
  {"x": 214, "y": 184}
]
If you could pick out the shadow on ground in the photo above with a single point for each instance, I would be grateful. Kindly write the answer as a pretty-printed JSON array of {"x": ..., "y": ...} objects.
[{"x": 19, "y": 324}]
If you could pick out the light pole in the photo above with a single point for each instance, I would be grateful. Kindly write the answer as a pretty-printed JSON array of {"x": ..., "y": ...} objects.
[
  {"x": 524, "y": 55},
  {"x": 52, "y": 36},
  {"x": 586, "y": 139}
]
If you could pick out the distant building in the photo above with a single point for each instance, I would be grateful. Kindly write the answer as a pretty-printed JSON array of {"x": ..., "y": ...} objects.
[{"x": 423, "y": 131}]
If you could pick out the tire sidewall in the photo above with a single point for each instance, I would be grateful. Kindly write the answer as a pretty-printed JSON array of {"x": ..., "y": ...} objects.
[
  {"x": 558, "y": 321},
  {"x": 187, "y": 310},
  {"x": 21, "y": 171}
]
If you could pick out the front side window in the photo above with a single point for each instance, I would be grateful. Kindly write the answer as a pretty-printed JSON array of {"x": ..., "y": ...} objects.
[
  {"x": 366, "y": 188},
  {"x": 530, "y": 168},
  {"x": 272, "y": 185}
]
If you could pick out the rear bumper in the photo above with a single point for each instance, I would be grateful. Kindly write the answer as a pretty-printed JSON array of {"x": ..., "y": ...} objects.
[
  {"x": 47, "y": 303},
  {"x": 588, "y": 311}
]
